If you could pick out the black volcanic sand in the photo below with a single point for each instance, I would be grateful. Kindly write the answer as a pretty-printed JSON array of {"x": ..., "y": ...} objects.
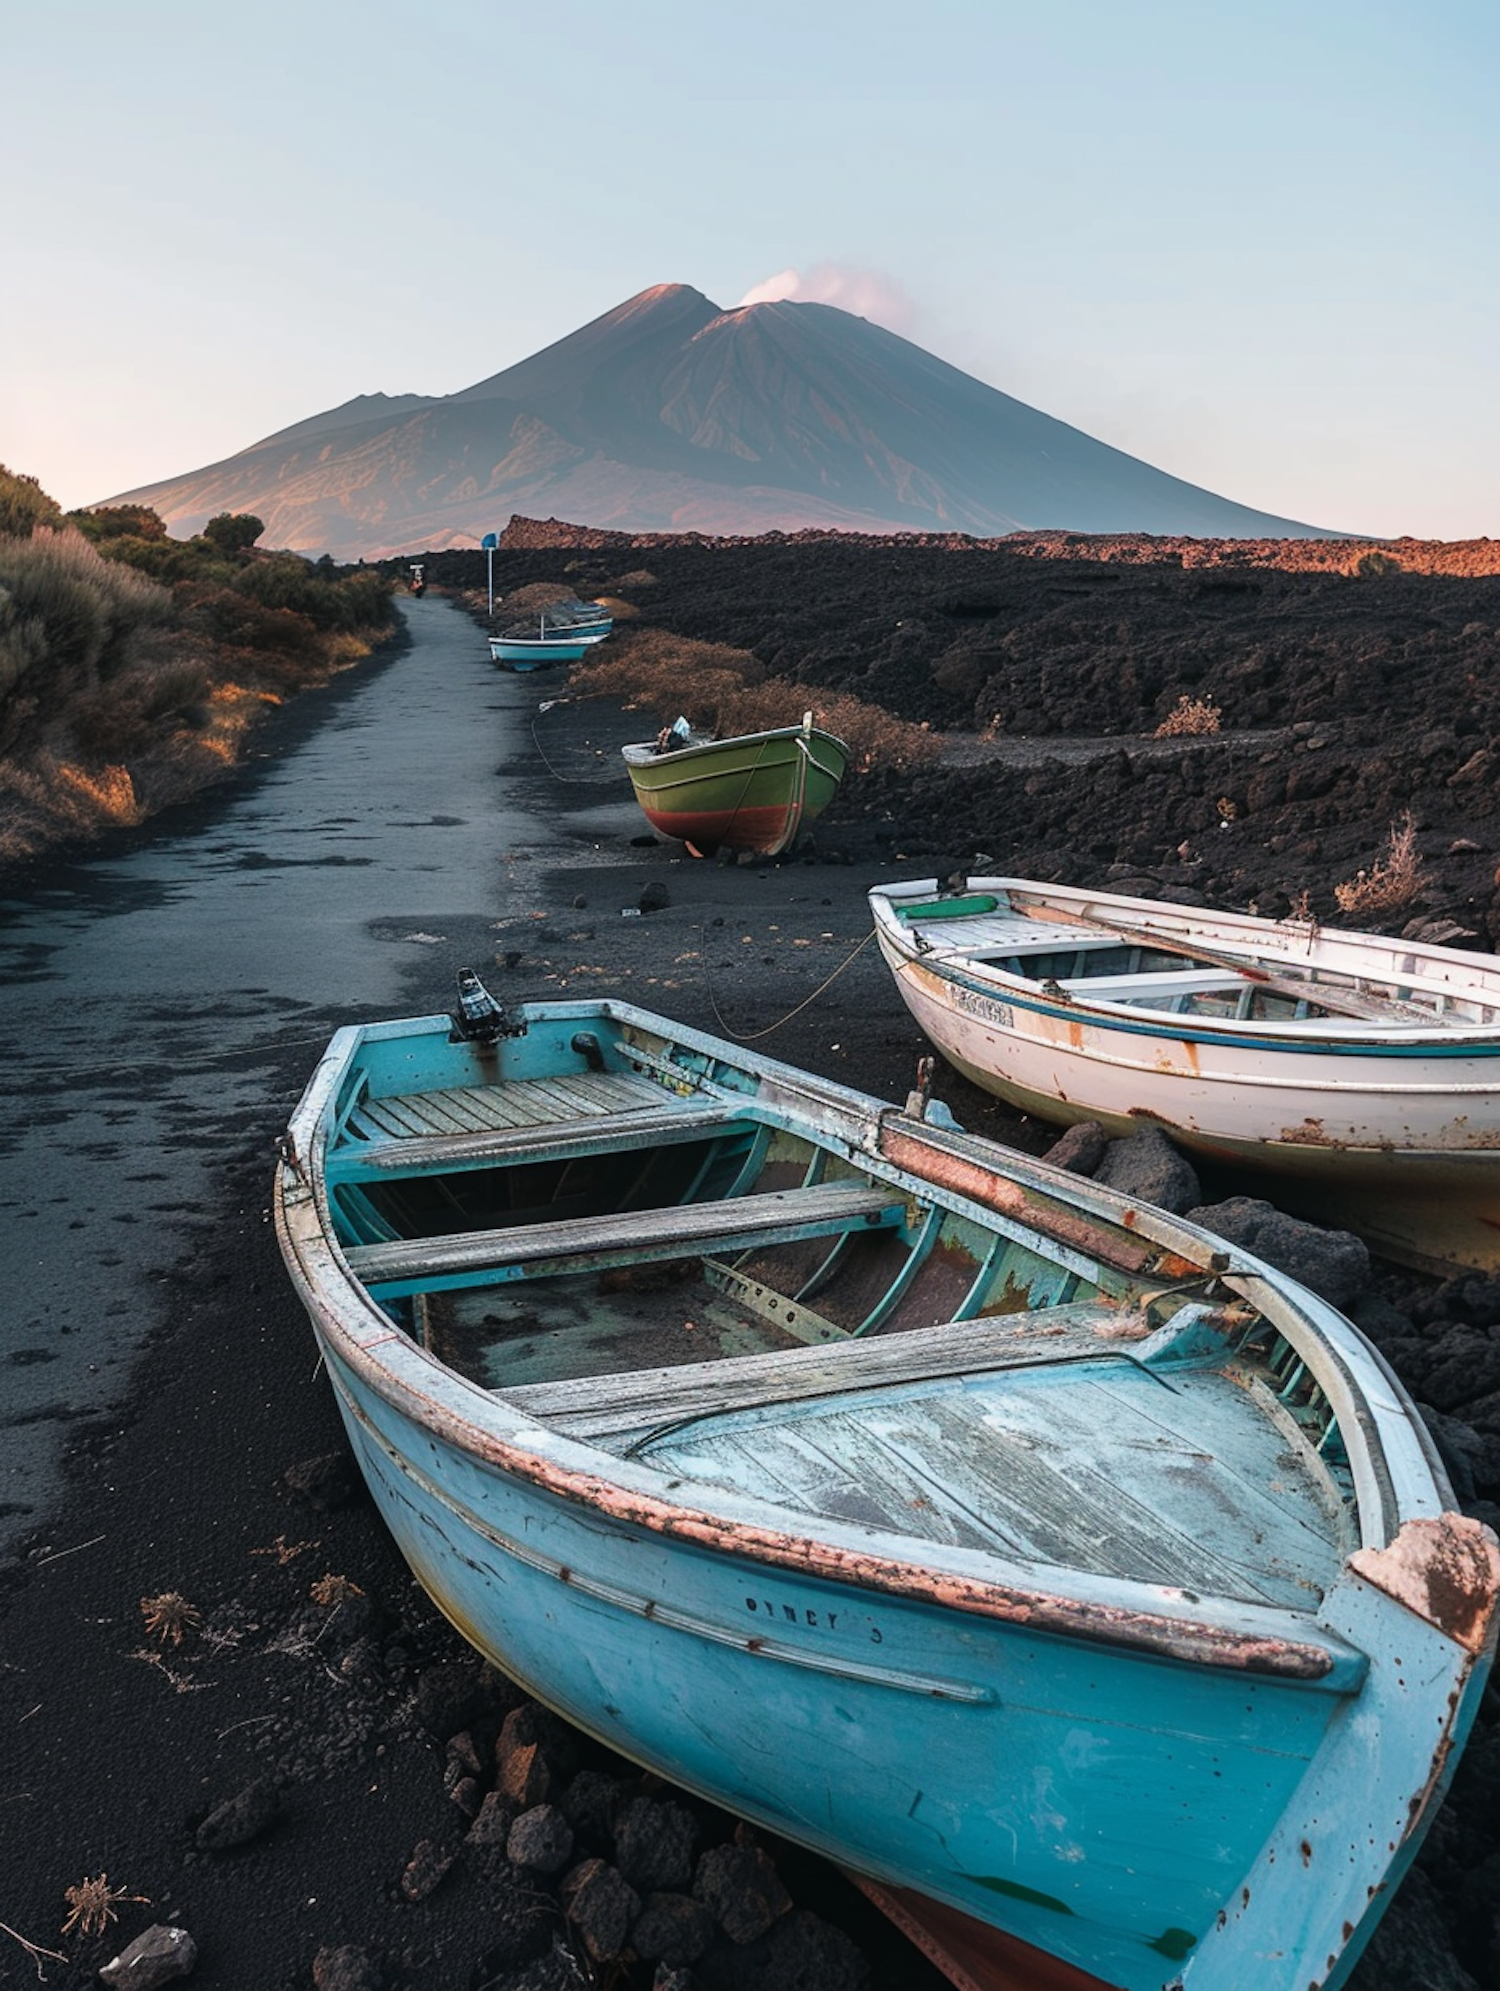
[
  {"x": 270, "y": 1780},
  {"x": 1344, "y": 702}
]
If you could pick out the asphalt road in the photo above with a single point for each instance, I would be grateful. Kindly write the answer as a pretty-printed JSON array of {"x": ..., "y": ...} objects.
[
  {"x": 424, "y": 813},
  {"x": 145, "y": 991}
]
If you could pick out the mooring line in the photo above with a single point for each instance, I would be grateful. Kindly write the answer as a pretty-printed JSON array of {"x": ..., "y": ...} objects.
[
  {"x": 573, "y": 780},
  {"x": 750, "y": 1036}
]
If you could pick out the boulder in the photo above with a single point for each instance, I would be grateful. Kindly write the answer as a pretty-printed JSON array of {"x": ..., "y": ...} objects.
[
  {"x": 159, "y": 1955},
  {"x": 602, "y": 1906},
  {"x": 540, "y": 1840},
  {"x": 654, "y": 1844},
  {"x": 741, "y": 1889},
  {"x": 1335, "y": 1264},
  {"x": 672, "y": 1929},
  {"x": 1147, "y": 1166},
  {"x": 1080, "y": 1150}
]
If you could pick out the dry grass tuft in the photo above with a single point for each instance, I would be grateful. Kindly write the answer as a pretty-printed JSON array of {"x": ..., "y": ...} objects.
[
  {"x": 91, "y": 1905},
  {"x": 331, "y": 1590},
  {"x": 1392, "y": 881},
  {"x": 726, "y": 691},
  {"x": 533, "y": 597},
  {"x": 1189, "y": 715},
  {"x": 169, "y": 1615}
]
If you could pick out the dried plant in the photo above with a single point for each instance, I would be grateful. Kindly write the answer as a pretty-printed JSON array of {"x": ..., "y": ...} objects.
[
  {"x": 91, "y": 1905},
  {"x": 179, "y": 1682},
  {"x": 1392, "y": 881},
  {"x": 36, "y": 1951},
  {"x": 726, "y": 691},
  {"x": 1374, "y": 566},
  {"x": 1189, "y": 715},
  {"x": 285, "y": 1551},
  {"x": 169, "y": 1615},
  {"x": 331, "y": 1590}
]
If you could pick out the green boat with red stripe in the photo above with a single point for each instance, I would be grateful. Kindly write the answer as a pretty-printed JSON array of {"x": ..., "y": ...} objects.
[{"x": 755, "y": 791}]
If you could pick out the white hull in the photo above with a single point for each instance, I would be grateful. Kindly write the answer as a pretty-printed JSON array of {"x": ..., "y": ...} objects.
[{"x": 1403, "y": 1118}]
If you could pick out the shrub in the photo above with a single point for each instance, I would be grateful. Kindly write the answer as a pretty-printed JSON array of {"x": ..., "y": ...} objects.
[
  {"x": 233, "y": 532},
  {"x": 134, "y": 711},
  {"x": 1371, "y": 566},
  {"x": 727, "y": 691},
  {"x": 1392, "y": 881},
  {"x": 109, "y": 522},
  {"x": 24, "y": 505},
  {"x": 229, "y": 616},
  {"x": 1189, "y": 715},
  {"x": 68, "y": 619}
]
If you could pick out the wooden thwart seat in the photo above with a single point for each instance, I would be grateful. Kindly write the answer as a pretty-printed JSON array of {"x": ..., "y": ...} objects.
[
  {"x": 595, "y": 1407},
  {"x": 578, "y": 1244},
  {"x": 391, "y": 1157}
]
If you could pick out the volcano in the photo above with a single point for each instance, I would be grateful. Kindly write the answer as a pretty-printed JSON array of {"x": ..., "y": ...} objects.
[{"x": 669, "y": 414}]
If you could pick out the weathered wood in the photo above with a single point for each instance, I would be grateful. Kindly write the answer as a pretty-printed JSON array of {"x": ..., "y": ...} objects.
[
  {"x": 576, "y": 1244},
  {"x": 393, "y": 1156},
  {"x": 530, "y": 1102},
  {"x": 592, "y": 1406},
  {"x": 1281, "y": 977}
]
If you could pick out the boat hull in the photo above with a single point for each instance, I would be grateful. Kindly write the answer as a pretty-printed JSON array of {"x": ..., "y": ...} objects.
[
  {"x": 754, "y": 793},
  {"x": 1397, "y": 1141},
  {"x": 1105, "y": 1807},
  {"x": 1069, "y": 1743},
  {"x": 520, "y": 655}
]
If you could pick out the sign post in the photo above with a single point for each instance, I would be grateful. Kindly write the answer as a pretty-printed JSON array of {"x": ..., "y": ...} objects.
[{"x": 489, "y": 543}]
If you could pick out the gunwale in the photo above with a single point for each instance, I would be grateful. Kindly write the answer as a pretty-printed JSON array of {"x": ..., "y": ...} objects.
[
  {"x": 1256, "y": 949},
  {"x": 1116, "y": 1610}
]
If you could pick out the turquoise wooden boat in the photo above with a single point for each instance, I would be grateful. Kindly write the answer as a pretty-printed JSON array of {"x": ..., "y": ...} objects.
[
  {"x": 527, "y": 649},
  {"x": 1031, "y": 1552}
]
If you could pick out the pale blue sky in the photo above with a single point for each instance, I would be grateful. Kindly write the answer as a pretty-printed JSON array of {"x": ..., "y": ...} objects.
[{"x": 1258, "y": 247}]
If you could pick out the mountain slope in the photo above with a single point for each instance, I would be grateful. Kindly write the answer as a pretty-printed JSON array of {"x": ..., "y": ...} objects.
[{"x": 668, "y": 414}]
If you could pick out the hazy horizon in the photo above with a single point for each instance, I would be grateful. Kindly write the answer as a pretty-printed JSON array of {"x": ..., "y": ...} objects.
[{"x": 1259, "y": 256}]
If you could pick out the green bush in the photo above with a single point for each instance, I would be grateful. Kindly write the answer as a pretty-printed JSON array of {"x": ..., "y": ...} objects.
[
  {"x": 233, "y": 532},
  {"x": 131, "y": 714},
  {"x": 68, "y": 619},
  {"x": 109, "y": 522},
  {"x": 228, "y": 616},
  {"x": 24, "y": 505}
]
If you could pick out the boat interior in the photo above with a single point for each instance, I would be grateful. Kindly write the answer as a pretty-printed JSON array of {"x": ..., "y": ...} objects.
[
  {"x": 677, "y": 1280},
  {"x": 978, "y": 933}
]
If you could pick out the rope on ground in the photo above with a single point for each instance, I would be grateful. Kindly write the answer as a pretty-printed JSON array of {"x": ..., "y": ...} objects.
[
  {"x": 750, "y": 1036},
  {"x": 573, "y": 780}
]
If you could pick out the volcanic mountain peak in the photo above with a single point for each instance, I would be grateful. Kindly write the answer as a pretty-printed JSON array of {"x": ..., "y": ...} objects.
[
  {"x": 670, "y": 413},
  {"x": 659, "y": 319}
]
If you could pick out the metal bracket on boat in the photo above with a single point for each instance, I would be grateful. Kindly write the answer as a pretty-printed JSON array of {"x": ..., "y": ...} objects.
[
  {"x": 920, "y": 1097},
  {"x": 479, "y": 1019},
  {"x": 286, "y": 1153}
]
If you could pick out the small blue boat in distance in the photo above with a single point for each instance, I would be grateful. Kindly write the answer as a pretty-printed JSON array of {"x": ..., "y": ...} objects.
[
  {"x": 562, "y": 634},
  {"x": 524, "y": 649},
  {"x": 588, "y": 620},
  {"x": 1029, "y": 1551}
]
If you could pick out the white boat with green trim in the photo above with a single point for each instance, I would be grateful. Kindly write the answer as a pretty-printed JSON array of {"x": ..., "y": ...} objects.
[{"x": 1363, "y": 1069}]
